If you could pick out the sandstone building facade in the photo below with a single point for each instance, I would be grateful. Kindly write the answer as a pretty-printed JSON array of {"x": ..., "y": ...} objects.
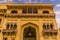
[{"x": 28, "y": 22}]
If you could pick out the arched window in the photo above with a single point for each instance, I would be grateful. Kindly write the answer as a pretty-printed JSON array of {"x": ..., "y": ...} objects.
[
  {"x": 44, "y": 26},
  {"x": 45, "y": 12},
  {"x": 29, "y": 32},
  {"x": 51, "y": 26},
  {"x": 14, "y": 11},
  {"x": 47, "y": 25},
  {"x": 24, "y": 10},
  {"x": 8, "y": 26}
]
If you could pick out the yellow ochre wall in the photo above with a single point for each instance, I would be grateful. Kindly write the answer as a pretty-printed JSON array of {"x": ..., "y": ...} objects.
[{"x": 35, "y": 21}]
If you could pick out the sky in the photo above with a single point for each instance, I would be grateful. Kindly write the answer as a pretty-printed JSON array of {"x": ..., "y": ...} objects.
[{"x": 55, "y": 2}]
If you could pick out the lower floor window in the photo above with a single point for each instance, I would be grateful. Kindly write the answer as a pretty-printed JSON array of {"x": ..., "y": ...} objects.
[{"x": 4, "y": 38}]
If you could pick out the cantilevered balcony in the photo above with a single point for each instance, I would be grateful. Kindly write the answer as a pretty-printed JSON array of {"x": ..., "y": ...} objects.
[
  {"x": 49, "y": 32},
  {"x": 9, "y": 32},
  {"x": 30, "y": 15}
]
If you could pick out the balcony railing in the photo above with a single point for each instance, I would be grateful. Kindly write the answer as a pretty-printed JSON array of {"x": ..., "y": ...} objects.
[
  {"x": 9, "y": 30},
  {"x": 53, "y": 31},
  {"x": 18, "y": 15},
  {"x": 30, "y": 15},
  {"x": 49, "y": 32}
]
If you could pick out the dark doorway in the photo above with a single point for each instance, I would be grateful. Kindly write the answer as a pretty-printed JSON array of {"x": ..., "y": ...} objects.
[{"x": 29, "y": 33}]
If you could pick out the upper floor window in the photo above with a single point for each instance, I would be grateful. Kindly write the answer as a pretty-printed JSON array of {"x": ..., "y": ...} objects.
[
  {"x": 47, "y": 26},
  {"x": 14, "y": 11},
  {"x": 24, "y": 10},
  {"x": 11, "y": 26},
  {"x": 51, "y": 26},
  {"x": 7, "y": 26},
  {"x": 29, "y": 10},
  {"x": 45, "y": 11},
  {"x": 44, "y": 26},
  {"x": 15, "y": 26},
  {"x": 35, "y": 10}
]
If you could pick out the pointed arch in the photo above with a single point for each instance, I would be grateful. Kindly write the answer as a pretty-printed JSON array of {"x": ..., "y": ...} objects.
[
  {"x": 31, "y": 24},
  {"x": 26, "y": 28}
]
